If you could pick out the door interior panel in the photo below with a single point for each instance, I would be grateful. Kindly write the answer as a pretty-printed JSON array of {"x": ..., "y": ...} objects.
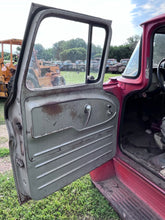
[
  {"x": 62, "y": 146},
  {"x": 58, "y": 117}
]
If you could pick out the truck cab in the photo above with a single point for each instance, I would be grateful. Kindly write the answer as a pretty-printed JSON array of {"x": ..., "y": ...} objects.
[{"x": 114, "y": 131}]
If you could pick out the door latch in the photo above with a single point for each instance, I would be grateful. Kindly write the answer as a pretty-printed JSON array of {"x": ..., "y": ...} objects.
[{"x": 19, "y": 126}]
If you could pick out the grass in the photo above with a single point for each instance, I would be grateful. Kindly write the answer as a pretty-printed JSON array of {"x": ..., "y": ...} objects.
[
  {"x": 77, "y": 78},
  {"x": 3, "y": 140},
  {"x": 4, "y": 152},
  {"x": 79, "y": 200},
  {"x": 2, "y": 120},
  {"x": 109, "y": 75},
  {"x": 73, "y": 77}
]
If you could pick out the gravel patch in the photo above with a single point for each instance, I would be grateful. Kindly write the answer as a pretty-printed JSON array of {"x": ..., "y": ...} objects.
[
  {"x": 5, "y": 164},
  {"x": 4, "y": 136}
]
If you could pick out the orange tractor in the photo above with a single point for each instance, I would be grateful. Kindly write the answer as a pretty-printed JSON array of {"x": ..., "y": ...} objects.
[
  {"x": 7, "y": 70},
  {"x": 46, "y": 73}
]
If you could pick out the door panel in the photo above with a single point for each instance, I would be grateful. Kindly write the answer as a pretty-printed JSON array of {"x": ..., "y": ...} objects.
[
  {"x": 61, "y": 146},
  {"x": 58, "y": 117},
  {"x": 60, "y": 132}
]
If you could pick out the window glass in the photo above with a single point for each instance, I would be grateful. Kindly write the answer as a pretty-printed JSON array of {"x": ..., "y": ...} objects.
[
  {"x": 60, "y": 53},
  {"x": 158, "y": 48},
  {"x": 96, "y": 52},
  {"x": 131, "y": 69}
]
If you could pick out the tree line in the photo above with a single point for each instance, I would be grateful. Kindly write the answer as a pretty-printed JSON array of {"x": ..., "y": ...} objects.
[
  {"x": 6, "y": 56},
  {"x": 75, "y": 49},
  {"x": 125, "y": 50}
]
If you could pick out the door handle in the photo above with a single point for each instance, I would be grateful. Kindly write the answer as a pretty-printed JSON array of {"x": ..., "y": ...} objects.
[{"x": 87, "y": 110}]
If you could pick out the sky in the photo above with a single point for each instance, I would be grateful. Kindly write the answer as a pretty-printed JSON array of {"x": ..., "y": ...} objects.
[{"x": 126, "y": 15}]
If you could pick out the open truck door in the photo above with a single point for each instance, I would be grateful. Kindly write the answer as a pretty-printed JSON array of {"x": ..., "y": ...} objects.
[{"x": 59, "y": 133}]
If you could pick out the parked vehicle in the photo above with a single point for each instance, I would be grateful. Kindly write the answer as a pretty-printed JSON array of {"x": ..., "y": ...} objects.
[
  {"x": 110, "y": 62},
  {"x": 115, "y": 131},
  {"x": 67, "y": 65},
  {"x": 117, "y": 67},
  {"x": 124, "y": 61},
  {"x": 80, "y": 65},
  {"x": 95, "y": 64},
  {"x": 59, "y": 63}
]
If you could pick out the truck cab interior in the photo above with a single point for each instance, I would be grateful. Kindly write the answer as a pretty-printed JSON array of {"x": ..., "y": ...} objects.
[{"x": 142, "y": 134}]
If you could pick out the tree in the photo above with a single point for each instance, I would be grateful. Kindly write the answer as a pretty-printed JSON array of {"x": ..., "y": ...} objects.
[
  {"x": 39, "y": 50},
  {"x": 76, "y": 43},
  {"x": 18, "y": 49},
  {"x": 6, "y": 55},
  {"x": 58, "y": 48},
  {"x": 74, "y": 49},
  {"x": 132, "y": 41},
  {"x": 124, "y": 51},
  {"x": 42, "y": 53},
  {"x": 96, "y": 51},
  {"x": 48, "y": 54},
  {"x": 73, "y": 54},
  {"x": 120, "y": 52},
  {"x": 61, "y": 46}
]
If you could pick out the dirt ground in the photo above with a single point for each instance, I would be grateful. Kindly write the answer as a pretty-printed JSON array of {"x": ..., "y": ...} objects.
[
  {"x": 5, "y": 164},
  {"x": 3, "y": 134}
]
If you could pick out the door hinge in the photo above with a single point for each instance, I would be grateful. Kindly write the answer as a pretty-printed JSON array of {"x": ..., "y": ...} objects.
[
  {"x": 19, "y": 126},
  {"x": 19, "y": 162}
]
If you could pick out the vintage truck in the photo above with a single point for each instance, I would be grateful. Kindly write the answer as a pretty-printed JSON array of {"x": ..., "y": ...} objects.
[
  {"x": 113, "y": 130},
  {"x": 116, "y": 67}
]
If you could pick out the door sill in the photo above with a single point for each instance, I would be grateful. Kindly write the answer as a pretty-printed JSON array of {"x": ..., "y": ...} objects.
[
  {"x": 124, "y": 201},
  {"x": 131, "y": 195}
]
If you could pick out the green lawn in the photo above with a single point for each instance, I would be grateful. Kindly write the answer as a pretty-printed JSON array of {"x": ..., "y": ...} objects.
[
  {"x": 79, "y": 200},
  {"x": 4, "y": 152},
  {"x": 79, "y": 77},
  {"x": 109, "y": 75}
]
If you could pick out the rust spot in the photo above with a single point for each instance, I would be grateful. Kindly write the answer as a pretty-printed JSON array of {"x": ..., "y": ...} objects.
[
  {"x": 52, "y": 109},
  {"x": 73, "y": 114}
]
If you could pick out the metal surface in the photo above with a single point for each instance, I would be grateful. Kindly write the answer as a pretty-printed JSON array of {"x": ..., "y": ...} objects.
[{"x": 61, "y": 146}]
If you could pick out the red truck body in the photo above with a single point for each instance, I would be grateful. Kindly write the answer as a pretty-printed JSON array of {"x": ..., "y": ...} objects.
[{"x": 145, "y": 186}]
